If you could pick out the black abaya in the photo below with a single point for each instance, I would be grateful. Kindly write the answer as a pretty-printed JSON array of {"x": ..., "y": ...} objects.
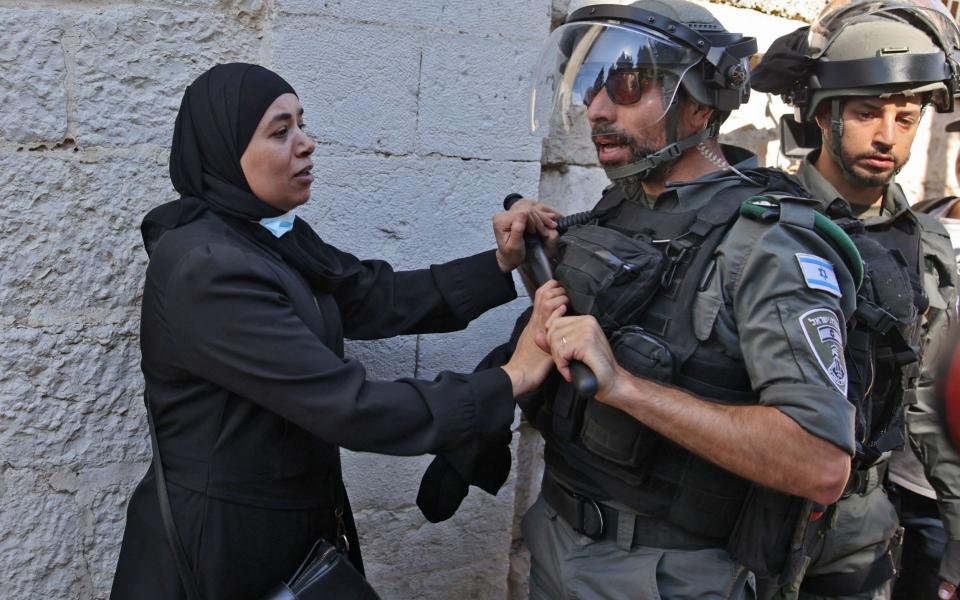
[
  {"x": 251, "y": 397},
  {"x": 242, "y": 343}
]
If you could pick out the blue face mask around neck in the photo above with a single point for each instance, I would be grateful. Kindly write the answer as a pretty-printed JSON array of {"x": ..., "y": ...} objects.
[{"x": 279, "y": 225}]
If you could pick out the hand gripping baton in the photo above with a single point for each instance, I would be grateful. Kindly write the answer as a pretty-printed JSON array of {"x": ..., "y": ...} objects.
[{"x": 537, "y": 270}]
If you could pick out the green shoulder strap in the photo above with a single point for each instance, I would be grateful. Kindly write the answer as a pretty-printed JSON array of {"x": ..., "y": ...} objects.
[{"x": 767, "y": 208}]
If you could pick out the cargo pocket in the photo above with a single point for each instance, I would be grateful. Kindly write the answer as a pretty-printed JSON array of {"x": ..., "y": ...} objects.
[{"x": 614, "y": 574}]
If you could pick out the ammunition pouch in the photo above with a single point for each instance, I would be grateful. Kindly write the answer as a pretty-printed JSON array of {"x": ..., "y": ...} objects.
[
  {"x": 607, "y": 274},
  {"x": 611, "y": 433},
  {"x": 773, "y": 534}
]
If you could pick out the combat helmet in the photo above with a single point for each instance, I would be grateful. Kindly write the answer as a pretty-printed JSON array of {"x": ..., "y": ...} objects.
[
  {"x": 621, "y": 50},
  {"x": 874, "y": 48}
]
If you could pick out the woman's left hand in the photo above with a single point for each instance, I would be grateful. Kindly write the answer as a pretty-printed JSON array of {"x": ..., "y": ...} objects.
[
  {"x": 529, "y": 365},
  {"x": 525, "y": 216}
]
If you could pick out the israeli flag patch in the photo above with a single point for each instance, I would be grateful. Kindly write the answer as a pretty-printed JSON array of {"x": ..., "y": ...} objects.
[{"x": 818, "y": 274}]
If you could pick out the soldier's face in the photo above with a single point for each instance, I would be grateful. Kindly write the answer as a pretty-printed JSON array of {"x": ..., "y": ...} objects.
[
  {"x": 876, "y": 140},
  {"x": 625, "y": 133}
]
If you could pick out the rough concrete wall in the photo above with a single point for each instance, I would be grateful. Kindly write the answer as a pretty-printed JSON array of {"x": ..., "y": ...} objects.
[
  {"x": 419, "y": 110},
  {"x": 804, "y": 10}
]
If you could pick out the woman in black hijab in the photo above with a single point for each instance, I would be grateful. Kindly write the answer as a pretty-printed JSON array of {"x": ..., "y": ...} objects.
[{"x": 245, "y": 310}]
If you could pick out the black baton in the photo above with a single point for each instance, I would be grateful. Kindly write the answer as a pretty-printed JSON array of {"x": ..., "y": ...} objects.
[{"x": 539, "y": 271}]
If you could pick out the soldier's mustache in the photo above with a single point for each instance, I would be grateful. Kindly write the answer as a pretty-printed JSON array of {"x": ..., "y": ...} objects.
[{"x": 609, "y": 135}]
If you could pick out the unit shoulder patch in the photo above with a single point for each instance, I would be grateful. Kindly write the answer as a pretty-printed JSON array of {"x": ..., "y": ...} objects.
[
  {"x": 818, "y": 274},
  {"x": 824, "y": 334}
]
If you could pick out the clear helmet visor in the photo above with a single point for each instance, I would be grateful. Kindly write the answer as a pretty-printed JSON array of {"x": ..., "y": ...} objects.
[
  {"x": 587, "y": 62},
  {"x": 931, "y": 16}
]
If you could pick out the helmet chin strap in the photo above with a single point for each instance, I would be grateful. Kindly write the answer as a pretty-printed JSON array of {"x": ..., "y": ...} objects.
[
  {"x": 836, "y": 131},
  {"x": 836, "y": 117},
  {"x": 641, "y": 169}
]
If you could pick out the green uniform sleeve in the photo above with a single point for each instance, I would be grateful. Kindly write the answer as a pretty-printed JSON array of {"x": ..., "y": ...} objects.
[
  {"x": 789, "y": 324},
  {"x": 941, "y": 463}
]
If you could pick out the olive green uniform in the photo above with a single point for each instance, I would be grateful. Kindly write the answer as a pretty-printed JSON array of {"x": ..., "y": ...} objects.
[
  {"x": 864, "y": 521},
  {"x": 751, "y": 305}
]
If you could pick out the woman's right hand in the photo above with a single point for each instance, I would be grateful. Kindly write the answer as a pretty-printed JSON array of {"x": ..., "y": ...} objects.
[
  {"x": 525, "y": 216},
  {"x": 531, "y": 361}
]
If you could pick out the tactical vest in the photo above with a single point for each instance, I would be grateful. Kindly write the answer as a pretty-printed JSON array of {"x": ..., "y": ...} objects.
[
  {"x": 884, "y": 337},
  {"x": 655, "y": 339}
]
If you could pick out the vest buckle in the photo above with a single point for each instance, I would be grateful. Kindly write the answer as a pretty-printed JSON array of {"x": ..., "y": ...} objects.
[
  {"x": 675, "y": 252},
  {"x": 874, "y": 316}
]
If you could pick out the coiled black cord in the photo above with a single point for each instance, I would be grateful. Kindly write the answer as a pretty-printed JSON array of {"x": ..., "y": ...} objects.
[{"x": 574, "y": 220}]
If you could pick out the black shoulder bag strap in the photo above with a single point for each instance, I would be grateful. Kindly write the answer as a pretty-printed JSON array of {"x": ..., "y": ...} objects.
[
  {"x": 176, "y": 546},
  {"x": 173, "y": 538}
]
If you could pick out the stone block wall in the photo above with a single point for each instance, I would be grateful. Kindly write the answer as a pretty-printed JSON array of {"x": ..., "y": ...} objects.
[
  {"x": 419, "y": 110},
  {"x": 418, "y": 107}
]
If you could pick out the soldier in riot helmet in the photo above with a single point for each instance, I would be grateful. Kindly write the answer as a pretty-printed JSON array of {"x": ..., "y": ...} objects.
[
  {"x": 861, "y": 78},
  {"x": 712, "y": 300}
]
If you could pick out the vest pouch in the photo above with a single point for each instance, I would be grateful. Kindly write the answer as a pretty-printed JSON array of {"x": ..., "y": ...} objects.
[
  {"x": 566, "y": 408},
  {"x": 773, "y": 534},
  {"x": 643, "y": 354},
  {"x": 612, "y": 433},
  {"x": 607, "y": 274}
]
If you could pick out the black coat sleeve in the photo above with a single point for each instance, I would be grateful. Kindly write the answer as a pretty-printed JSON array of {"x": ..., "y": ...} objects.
[
  {"x": 233, "y": 324},
  {"x": 379, "y": 302}
]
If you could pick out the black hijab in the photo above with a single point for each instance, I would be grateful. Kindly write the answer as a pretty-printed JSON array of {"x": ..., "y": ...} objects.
[{"x": 218, "y": 116}]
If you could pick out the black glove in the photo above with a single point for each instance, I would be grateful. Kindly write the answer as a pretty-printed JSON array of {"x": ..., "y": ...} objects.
[
  {"x": 446, "y": 481},
  {"x": 442, "y": 490}
]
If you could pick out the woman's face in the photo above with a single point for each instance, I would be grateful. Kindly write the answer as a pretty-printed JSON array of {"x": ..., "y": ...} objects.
[{"x": 277, "y": 162}]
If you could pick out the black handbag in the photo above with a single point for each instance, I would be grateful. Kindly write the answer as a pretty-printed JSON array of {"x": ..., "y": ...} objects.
[{"x": 326, "y": 572}]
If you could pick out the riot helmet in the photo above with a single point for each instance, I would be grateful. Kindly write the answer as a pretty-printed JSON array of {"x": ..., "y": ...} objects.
[
  {"x": 652, "y": 49},
  {"x": 877, "y": 48}
]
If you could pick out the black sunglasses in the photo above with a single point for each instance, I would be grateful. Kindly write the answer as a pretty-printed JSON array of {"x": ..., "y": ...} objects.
[{"x": 623, "y": 86}]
